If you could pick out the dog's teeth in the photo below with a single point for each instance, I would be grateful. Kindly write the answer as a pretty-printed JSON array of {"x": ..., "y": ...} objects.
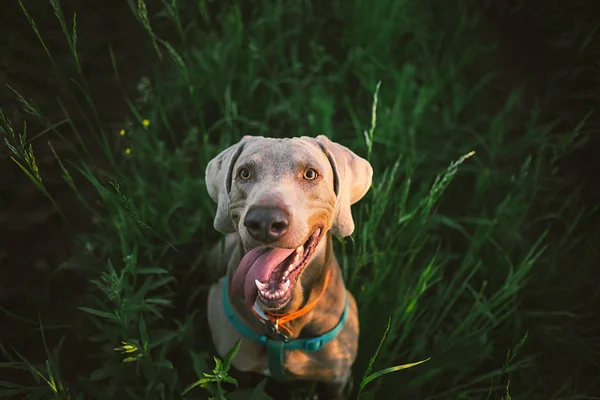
[
  {"x": 261, "y": 286},
  {"x": 300, "y": 249},
  {"x": 272, "y": 294}
]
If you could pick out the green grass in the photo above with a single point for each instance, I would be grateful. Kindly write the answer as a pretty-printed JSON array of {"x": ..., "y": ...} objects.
[{"x": 466, "y": 254}]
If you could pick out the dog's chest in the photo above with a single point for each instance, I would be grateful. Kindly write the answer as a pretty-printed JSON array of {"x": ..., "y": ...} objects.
[{"x": 323, "y": 365}]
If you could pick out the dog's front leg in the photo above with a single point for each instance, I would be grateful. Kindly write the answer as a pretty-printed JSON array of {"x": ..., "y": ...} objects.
[{"x": 338, "y": 389}]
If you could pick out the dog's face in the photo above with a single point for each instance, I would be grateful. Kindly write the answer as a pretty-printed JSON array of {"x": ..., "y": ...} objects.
[
  {"x": 283, "y": 182},
  {"x": 282, "y": 196}
]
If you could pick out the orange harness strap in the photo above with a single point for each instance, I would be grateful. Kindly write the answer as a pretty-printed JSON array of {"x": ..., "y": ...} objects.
[{"x": 278, "y": 320}]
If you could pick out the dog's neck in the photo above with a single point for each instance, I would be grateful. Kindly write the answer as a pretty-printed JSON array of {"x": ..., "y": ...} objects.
[{"x": 326, "y": 313}]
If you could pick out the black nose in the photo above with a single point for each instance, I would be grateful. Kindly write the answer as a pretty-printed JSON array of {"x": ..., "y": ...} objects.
[{"x": 267, "y": 224}]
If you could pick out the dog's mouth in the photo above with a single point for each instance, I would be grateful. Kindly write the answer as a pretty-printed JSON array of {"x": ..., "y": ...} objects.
[{"x": 271, "y": 274}]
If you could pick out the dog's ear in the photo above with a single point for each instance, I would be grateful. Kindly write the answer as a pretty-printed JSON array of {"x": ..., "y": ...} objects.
[
  {"x": 218, "y": 183},
  {"x": 352, "y": 179}
]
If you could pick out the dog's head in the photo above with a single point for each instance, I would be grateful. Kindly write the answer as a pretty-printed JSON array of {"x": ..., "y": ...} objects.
[{"x": 282, "y": 196}]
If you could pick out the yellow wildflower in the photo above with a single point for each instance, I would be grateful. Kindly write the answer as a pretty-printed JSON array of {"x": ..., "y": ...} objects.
[
  {"x": 128, "y": 150},
  {"x": 128, "y": 349},
  {"x": 146, "y": 122},
  {"x": 122, "y": 132}
]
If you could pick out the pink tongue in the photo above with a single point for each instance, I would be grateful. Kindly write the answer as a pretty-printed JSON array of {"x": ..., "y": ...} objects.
[{"x": 258, "y": 264}]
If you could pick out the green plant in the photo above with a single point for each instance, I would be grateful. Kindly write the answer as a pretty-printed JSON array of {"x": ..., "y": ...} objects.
[{"x": 219, "y": 374}]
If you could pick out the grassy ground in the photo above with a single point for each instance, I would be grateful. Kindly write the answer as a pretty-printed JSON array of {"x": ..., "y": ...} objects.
[{"x": 481, "y": 263}]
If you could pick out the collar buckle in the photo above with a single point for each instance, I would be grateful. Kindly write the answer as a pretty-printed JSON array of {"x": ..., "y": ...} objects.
[{"x": 274, "y": 331}]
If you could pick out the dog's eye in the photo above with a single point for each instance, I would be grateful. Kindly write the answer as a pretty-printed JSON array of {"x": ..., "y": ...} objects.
[
  {"x": 310, "y": 174},
  {"x": 244, "y": 173}
]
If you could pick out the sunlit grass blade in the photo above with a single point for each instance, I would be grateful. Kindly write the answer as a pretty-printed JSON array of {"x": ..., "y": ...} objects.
[
  {"x": 377, "y": 374},
  {"x": 368, "y": 376}
]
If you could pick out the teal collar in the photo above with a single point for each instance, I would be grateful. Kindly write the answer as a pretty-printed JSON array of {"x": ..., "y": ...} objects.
[{"x": 275, "y": 347}]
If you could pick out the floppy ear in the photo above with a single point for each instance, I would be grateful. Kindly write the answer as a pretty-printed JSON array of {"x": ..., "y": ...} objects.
[
  {"x": 352, "y": 179},
  {"x": 218, "y": 183}
]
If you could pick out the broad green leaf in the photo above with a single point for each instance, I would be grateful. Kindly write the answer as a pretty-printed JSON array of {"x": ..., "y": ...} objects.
[
  {"x": 200, "y": 383},
  {"x": 231, "y": 380},
  {"x": 230, "y": 354}
]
